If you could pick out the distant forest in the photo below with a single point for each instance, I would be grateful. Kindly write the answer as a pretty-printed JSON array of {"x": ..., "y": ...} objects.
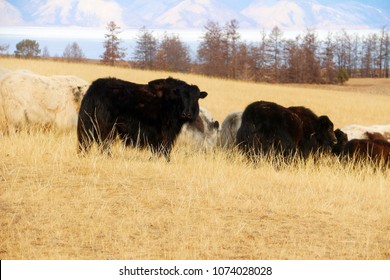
[{"x": 273, "y": 59}]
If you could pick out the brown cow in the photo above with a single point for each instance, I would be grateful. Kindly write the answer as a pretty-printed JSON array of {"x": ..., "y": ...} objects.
[
  {"x": 318, "y": 131},
  {"x": 374, "y": 136},
  {"x": 364, "y": 149},
  {"x": 373, "y": 150}
]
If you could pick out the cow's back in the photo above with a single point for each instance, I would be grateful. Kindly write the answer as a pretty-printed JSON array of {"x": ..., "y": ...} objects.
[
  {"x": 149, "y": 115},
  {"x": 318, "y": 132},
  {"x": 267, "y": 126},
  {"x": 365, "y": 149},
  {"x": 356, "y": 131},
  {"x": 229, "y": 128},
  {"x": 34, "y": 100}
]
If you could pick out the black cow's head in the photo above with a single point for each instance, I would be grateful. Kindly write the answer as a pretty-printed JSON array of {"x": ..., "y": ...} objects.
[
  {"x": 342, "y": 140},
  {"x": 325, "y": 133},
  {"x": 185, "y": 96},
  {"x": 189, "y": 96}
]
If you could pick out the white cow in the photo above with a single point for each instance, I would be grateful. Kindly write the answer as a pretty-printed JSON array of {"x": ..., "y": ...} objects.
[
  {"x": 29, "y": 100},
  {"x": 203, "y": 132},
  {"x": 229, "y": 129},
  {"x": 356, "y": 131},
  {"x": 4, "y": 71}
]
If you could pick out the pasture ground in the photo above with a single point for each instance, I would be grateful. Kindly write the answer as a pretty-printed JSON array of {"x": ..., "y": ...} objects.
[{"x": 202, "y": 205}]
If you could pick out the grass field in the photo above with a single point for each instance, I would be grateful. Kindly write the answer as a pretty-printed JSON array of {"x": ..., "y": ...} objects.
[{"x": 202, "y": 205}]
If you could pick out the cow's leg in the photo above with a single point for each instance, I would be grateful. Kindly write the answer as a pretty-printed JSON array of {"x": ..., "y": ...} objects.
[
  {"x": 166, "y": 151},
  {"x": 106, "y": 135},
  {"x": 84, "y": 144},
  {"x": 159, "y": 150},
  {"x": 84, "y": 135},
  {"x": 166, "y": 145}
]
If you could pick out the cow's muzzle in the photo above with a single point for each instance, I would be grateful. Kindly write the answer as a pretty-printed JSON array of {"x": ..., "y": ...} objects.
[{"x": 186, "y": 116}]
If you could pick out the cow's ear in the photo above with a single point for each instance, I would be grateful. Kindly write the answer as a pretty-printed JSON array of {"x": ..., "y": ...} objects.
[
  {"x": 216, "y": 124},
  {"x": 157, "y": 88},
  {"x": 76, "y": 94},
  {"x": 203, "y": 94},
  {"x": 324, "y": 121}
]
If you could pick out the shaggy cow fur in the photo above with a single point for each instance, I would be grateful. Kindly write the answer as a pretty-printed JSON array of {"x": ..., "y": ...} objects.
[
  {"x": 28, "y": 100},
  {"x": 229, "y": 128},
  {"x": 318, "y": 134},
  {"x": 267, "y": 126},
  {"x": 361, "y": 150},
  {"x": 203, "y": 132},
  {"x": 142, "y": 115}
]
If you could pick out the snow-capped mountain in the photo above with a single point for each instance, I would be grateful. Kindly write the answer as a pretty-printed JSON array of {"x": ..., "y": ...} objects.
[
  {"x": 195, "y": 13},
  {"x": 301, "y": 14}
]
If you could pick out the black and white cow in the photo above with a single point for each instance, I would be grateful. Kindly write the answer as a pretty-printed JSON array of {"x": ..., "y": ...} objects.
[{"x": 201, "y": 133}]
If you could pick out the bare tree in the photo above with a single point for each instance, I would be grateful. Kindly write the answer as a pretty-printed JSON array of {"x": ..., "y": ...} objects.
[
  {"x": 173, "y": 54},
  {"x": 112, "y": 49},
  {"x": 231, "y": 45},
  {"x": 4, "y": 48},
  {"x": 209, "y": 51},
  {"x": 344, "y": 52},
  {"x": 311, "y": 63},
  {"x": 258, "y": 59},
  {"x": 73, "y": 52},
  {"x": 355, "y": 55},
  {"x": 294, "y": 65},
  {"x": 382, "y": 51},
  {"x": 243, "y": 63},
  {"x": 328, "y": 67},
  {"x": 45, "y": 52},
  {"x": 146, "y": 49},
  {"x": 275, "y": 45},
  {"x": 367, "y": 56},
  {"x": 386, "y": 54}
]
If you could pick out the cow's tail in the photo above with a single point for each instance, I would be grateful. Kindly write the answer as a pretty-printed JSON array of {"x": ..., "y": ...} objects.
[
  {"x": 85, "y": 131},
  {"x": 94, "y": 122},
  {"x": 86, "y": 123}
]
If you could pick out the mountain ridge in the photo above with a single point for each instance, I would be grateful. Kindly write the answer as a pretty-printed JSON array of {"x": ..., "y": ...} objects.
[{"x": 184, "y": 14}]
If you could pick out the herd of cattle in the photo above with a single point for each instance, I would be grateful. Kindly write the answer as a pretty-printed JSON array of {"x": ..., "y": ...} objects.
[{"x": 155, "y": 114}]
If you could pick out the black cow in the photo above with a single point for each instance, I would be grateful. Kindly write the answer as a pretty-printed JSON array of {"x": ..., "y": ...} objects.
[
  {"x": 318, "y": 134},
  {"x": 342, "y": 140},
  {"x": 142, "y": 115},
  {"x": 361, "y": 150},
  {"x": 267, "y": 126}
]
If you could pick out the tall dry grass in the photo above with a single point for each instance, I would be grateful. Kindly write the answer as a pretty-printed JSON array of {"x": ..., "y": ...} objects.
[{"x": 202, "y": 205}]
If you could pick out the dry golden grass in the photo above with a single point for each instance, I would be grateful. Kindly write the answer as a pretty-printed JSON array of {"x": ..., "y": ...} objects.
[{"x": 214, "y": 205}]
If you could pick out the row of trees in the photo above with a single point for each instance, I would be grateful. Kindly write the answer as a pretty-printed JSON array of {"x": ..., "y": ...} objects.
[
  {"x": 304, "y": 59},
  {"x": 30, "y": 48},
  {"x": 222, "y": 53},
  {"x": 169, "y": 54}
]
